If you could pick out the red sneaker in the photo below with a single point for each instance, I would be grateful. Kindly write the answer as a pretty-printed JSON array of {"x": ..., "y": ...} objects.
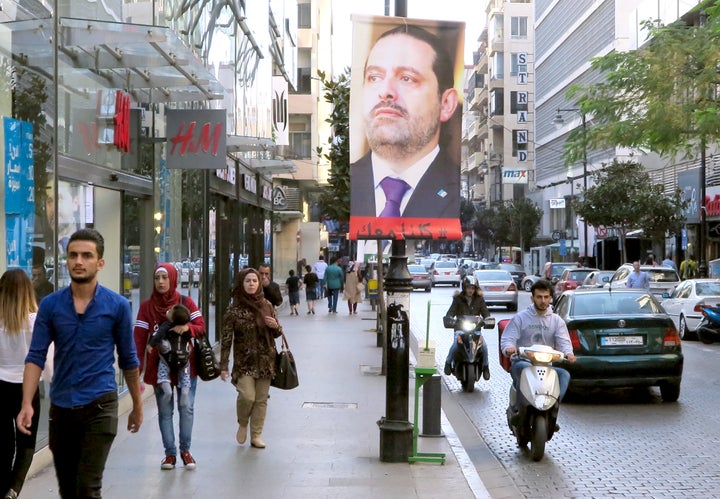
[
  {"x": 168, "y": 463},
  {"x": 187, "y": 459}
]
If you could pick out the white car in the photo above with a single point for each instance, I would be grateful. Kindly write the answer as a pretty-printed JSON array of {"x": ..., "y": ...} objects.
[
  {"x": 684, "y": 304},
  {"x": 662, "y": 279},
  {"x": 445, "y": 273}
]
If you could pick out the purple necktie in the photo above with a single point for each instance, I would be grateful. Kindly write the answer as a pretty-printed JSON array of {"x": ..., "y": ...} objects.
[{"x": 394, "y": 190}]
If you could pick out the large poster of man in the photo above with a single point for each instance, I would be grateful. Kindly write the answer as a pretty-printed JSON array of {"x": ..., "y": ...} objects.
[{"x": 405, "y": 128}]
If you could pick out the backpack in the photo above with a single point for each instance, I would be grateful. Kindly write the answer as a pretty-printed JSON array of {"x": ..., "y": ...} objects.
[{"x": 179, "y": 355}]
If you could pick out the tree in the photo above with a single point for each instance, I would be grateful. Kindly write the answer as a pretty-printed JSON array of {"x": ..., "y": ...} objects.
[
  {"x": 661, "y": 97},
  {"x": 517, "y": 221},
  {"x": 335, "y": 201},
  {"x": 623, "y": 197}
]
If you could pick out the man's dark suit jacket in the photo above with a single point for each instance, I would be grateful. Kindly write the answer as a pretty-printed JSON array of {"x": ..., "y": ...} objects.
[{"x": 425, "y": 202}]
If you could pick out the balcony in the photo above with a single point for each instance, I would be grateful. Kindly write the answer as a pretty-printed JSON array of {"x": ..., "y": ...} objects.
[{"x": 480, "y": 98}]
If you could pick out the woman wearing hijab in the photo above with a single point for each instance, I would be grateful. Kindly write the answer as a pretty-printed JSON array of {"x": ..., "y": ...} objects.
[
  {"x": 17, "y": 317},
  {"x": 250, "y": 327},
  {"x": 150, "y": 315}
]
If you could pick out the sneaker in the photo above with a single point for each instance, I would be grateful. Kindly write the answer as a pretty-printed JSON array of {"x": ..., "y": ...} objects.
[
  {"x": 168, "y": 463},
  {"x": 187, "y": 459},
  {"x": 448, "y": 369},
  {"x": 486, "y": 373}
]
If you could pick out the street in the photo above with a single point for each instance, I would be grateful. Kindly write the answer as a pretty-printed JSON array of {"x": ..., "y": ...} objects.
[{"x": 612, "y": 443}]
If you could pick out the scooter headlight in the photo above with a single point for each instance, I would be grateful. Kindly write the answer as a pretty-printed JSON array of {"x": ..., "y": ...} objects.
[
  {"x": 466, "y": 325},
  {"x": 542, "y": 357}
]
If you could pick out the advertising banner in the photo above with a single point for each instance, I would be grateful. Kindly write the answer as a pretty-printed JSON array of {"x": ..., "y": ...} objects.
[{"x": 405, "y": 128}]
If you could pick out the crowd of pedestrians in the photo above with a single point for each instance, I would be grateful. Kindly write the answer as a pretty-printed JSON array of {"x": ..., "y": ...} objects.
[{"x": 77, "y": 336}]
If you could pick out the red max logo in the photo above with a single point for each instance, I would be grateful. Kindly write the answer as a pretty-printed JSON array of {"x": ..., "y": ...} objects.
[{"x": 712, "y": 206}]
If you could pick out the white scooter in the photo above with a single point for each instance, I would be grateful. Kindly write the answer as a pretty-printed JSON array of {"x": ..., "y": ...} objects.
[{"x": 532, "y": 412}]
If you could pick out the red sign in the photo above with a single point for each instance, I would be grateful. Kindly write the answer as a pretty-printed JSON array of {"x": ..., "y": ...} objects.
[
  {"x": 121, "y": 121},
  {"x": 405, "y": 228}
]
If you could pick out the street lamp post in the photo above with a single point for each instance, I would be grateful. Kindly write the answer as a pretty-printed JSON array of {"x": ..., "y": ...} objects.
[{"x": 559, "y": 122}]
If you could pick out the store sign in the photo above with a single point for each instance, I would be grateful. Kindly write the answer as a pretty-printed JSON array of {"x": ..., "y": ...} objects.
[
  {"x": 514, "y": 176},
  {"x": 280, "y": 111},
  {"x": 712, "y": 201},
  {"x": 196, "y": 139},
  {"x": 689, "y": 185},
  {"x": 557, "y": 204}
]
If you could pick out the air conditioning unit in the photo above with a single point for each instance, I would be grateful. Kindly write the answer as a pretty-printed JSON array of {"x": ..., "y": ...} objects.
[{"x": 277, "y": 227}]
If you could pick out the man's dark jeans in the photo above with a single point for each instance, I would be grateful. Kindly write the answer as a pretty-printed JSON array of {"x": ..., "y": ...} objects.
[{"x": 80, "y": 440}]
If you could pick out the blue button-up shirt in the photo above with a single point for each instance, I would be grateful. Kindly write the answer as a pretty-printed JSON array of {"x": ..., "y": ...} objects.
[
  {"x": 84, "y": 363},
  {"x": 638, "y": 280}
]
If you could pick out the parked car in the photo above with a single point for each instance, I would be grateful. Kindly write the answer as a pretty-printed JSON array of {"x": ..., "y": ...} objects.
[
  {"x": 516, "y": 270},
  {"x": 445, "y": 273},
  {"x": 685, "y": 304},
  {"x": 498, "y": 287},
  {"x": 596, "y": 279},
  {"x": 184, "y": 270},
  {"x": 421, "y": 277},
  {"x": 571, "y": 279},
  {"x": 662, "y": 279},
  {"x": 621, "y": 338},
  {"x": 427, "y": 262},
  {"x": 555, "y": 270}
]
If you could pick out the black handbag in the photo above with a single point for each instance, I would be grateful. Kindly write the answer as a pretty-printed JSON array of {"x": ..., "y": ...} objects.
[
  {"x": 206, "y": 365},
  {"x": 286, "y": 377}
]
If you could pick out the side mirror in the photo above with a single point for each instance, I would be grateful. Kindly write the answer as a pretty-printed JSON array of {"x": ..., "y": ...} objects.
[
  {"x": 666, "y": 295},
  {"x": 449, "y": 322},
  {"x": 489, "y": 323}
]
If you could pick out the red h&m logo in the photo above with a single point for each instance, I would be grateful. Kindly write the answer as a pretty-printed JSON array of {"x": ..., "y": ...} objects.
[
  {"x": 209, "y": 136},
  {"x": 121, "y": 121}
]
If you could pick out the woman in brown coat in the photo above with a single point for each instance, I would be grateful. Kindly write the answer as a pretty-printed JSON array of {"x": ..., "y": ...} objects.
[{"x": 250, "y": 327}]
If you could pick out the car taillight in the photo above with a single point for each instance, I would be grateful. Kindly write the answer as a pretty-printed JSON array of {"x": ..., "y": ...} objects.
[
  {"x": 699, "y": 308},
  {"x": 574, "y": 339},
  {"x": 512, "y": 287},
  {"x": 672, "y": 338}
]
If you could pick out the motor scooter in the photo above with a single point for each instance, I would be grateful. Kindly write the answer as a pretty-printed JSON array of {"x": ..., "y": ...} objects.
[
  {"x": 533, "y": 409},
  {"x": 709, "y": 328},
  {"x": 468, "y": 361}
]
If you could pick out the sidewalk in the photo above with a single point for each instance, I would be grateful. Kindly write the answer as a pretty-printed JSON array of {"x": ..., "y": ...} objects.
[{"x": 322, "y": 438}]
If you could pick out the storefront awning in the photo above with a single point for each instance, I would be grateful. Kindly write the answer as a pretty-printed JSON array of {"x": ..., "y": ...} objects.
[
  {"x": 149, "y": 62},
  {"x": 272, "y": 166}
]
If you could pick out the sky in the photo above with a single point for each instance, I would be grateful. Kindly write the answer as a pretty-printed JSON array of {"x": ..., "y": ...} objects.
[{"x": 472, "y": 12}]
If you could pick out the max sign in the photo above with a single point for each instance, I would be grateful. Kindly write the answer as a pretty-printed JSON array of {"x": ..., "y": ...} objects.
[{"x": 196, "y": 138}]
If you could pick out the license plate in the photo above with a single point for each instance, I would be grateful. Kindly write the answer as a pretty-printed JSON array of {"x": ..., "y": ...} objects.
[
  {"x": 609, "y": 341},
  {"x": 495, "y": 288}
]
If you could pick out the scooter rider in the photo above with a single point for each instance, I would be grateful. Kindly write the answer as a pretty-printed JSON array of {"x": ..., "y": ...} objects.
[
  {"x": 538, "y": 325},
  {"x": 469, "y": 301}
]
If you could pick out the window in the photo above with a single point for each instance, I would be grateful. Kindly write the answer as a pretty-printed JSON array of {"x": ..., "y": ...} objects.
[
  {"x": 518, "y": 63},
  {"x": 518, "y": 101},
  {"x": 300, "y": 144},
  {"x": 518, "y": 28},
  {"x": 304, "y": 15},
  {"x": 496, "y": 102},
  {"x": 303, "y": 81},
  {"x": 498, "y": 66}
]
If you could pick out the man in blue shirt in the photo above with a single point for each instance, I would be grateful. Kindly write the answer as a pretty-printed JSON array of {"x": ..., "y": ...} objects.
[
  {"x": 638, "y": 278},
  {"x": 87, "y": 323}
]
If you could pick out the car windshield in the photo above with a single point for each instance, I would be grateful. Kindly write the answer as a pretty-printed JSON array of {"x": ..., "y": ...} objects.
[
  {"x": 492, "y": 275},
  {"x": 445, "y": 265},
  {"x": 578, "y": 275},
  {"x": 614, "y": 304},
  {"x": 707, "y": 288},
  {"x": 660, "y": 275},
  {"x": 417, "y": 268}
]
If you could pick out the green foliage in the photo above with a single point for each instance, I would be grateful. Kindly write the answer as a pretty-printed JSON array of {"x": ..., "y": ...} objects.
[
  {"x": 515, "y": 222},
  {"x": 335, "y": 201},
  {"x": 625, "y": 198},
  {"x": 662, "y": 97}
]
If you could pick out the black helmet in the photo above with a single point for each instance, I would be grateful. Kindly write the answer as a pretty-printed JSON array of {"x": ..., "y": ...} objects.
[{"x": 468, "y": 281}]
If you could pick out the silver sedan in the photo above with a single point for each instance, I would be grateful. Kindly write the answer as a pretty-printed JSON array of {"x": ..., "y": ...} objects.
[{"x": 498, "y": 288}]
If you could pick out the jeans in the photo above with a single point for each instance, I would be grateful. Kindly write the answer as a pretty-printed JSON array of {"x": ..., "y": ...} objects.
[
  {"x": 80, "y": 439},
  {"x": 165, "y": 405},
  {"x": 519, "y": 365},
  {"x": 454, "y": 347},
  {"x": 333, "y": 299},
  {"x": 18, "y": 449}
]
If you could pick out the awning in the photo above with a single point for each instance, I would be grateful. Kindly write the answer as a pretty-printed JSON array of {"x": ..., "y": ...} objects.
[
  {"x": 149, "y": 62},
  {"x": 272, "y": 166}
]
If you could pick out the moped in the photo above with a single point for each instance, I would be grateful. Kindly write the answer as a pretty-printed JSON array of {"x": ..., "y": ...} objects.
[
  {"x": 468, "y": 361},
  {"x": 709, "y": 328},
  {"x": 533, "y": 408}
]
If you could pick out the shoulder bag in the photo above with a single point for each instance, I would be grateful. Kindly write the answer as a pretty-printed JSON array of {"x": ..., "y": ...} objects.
[
  {"x": 286, "y": 377},
  {"x": 206, "y": 364}
]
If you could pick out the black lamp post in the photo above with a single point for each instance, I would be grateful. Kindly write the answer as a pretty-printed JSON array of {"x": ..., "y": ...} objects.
[{"x": 559, "y": 122}]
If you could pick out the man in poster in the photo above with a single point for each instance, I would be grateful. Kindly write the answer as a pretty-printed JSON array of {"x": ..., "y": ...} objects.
[{"x": 407, "y": 95}]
